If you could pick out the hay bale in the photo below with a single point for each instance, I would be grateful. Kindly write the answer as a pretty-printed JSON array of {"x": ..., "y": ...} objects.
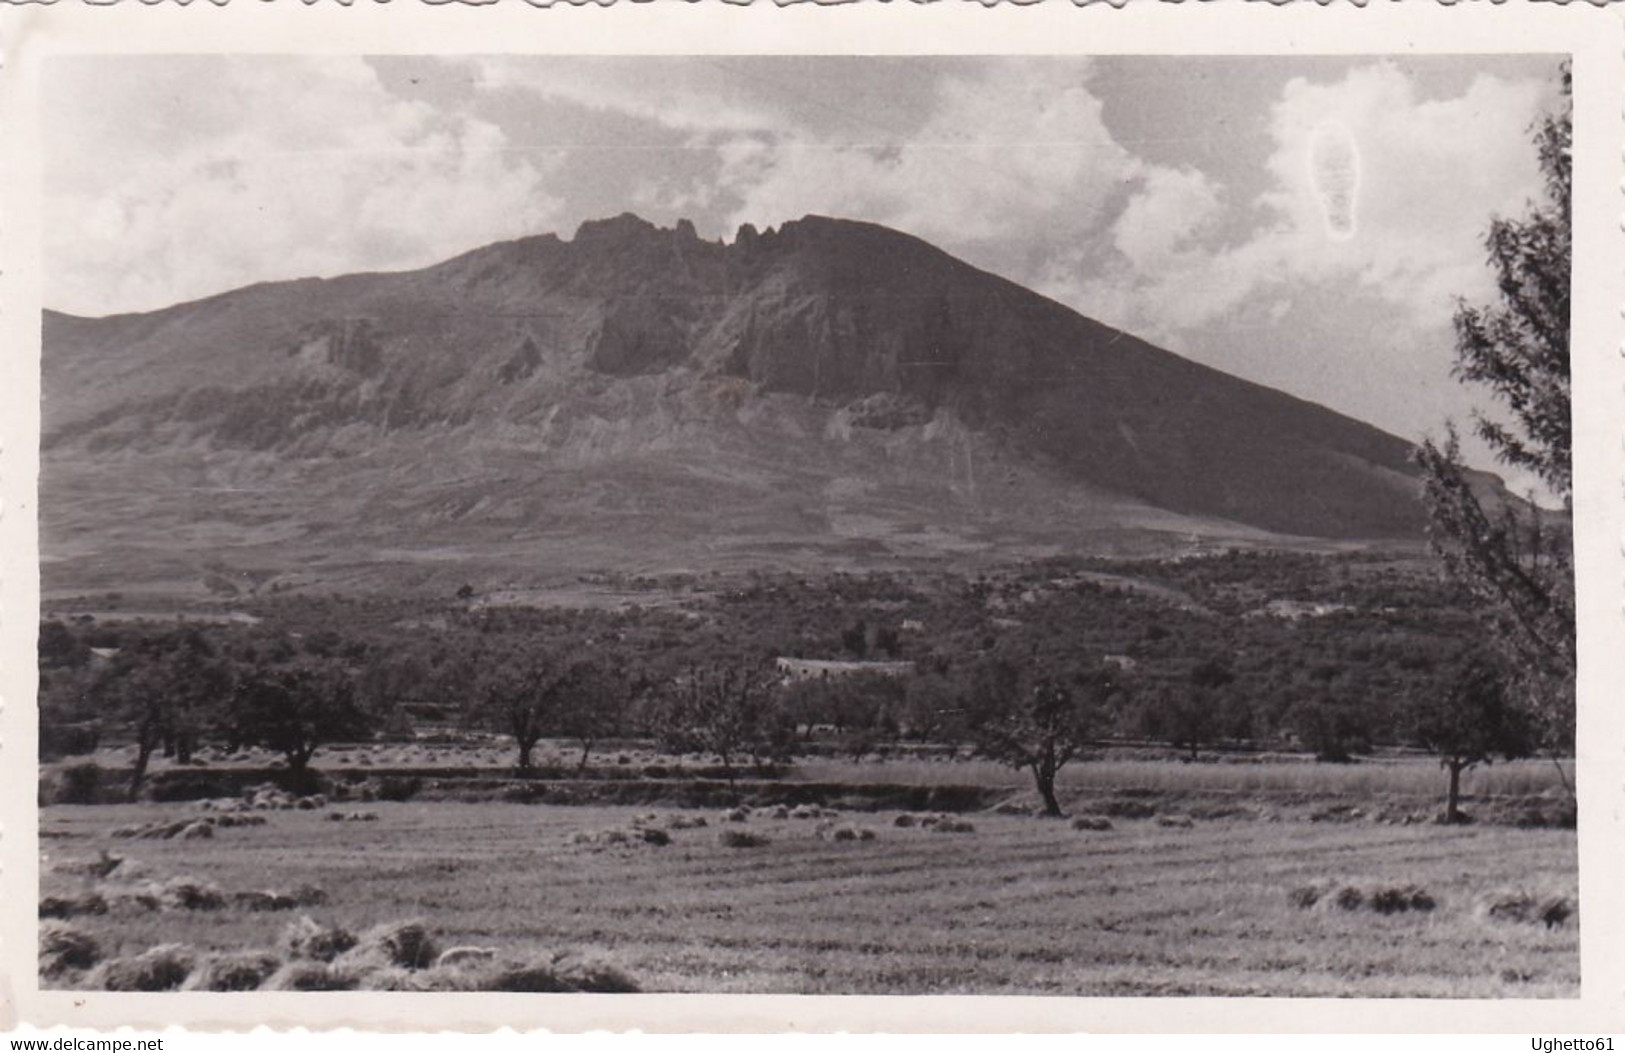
[
  {"x": 1305, "y": 896},
  {"x": 594, "y": 975},
  {"x": 72, "y": 906},
  {"x": 311, "y": 976},
  {"x": 1517, "y": 906},
  {"x": 905, "y": 820},
  {"x": 1400, "y": 899},
  {"x": 1346, "y": 898},
  {"x": 406, "y": 944},
  {"x": 63, "y": 948},
  {"x": 308, "y": 896},
  {"x": 741, "y": 839},
  {"x": 255, "y": 900},
  {"x": 162, "y": 968},
  {"x": 561, "y": 973},
  {"x": 184, "y": 893},
  {"x": 232, "y": 971},
  {"x": 1091, "y": 822},
  {"x": 455, "y": 956},
  {"x": 309, "y": 940}
]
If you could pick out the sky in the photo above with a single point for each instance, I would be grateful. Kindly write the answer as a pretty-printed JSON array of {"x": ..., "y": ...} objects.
[{"x": 1307, "y": 223}]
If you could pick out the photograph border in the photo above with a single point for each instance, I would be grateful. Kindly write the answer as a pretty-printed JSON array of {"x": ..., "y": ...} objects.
[{"x": 1593, "y": 36}]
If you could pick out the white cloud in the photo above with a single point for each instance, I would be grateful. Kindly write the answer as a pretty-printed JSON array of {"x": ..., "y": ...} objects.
[
  {"x": 1420, "y": 179},
  {"x": 282, "y": 168},
  {"x": 1002, "y": 163}
]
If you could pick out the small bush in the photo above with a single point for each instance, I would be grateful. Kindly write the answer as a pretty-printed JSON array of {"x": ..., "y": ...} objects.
[
  {"x": 78, "y": 783},
  {"x": 949, "y": 825},
  {"x": 653, "y": 835},
  {"x": 163, "y": 968},
  {"x": 63, "y": 947},
  {"x": 232, "y": 971},
  {"x": 905, "y": 820},
  {"x": 1091, "y": 822},
  {"x": 741, "y": 839},
  {"x": 1347, "y": 898},
  {"x": 687, "y": 822},
  {"x": 397, "y": 788},
  {"x": 308, "y": 939},
  {"x": 1179, "y": 822}
]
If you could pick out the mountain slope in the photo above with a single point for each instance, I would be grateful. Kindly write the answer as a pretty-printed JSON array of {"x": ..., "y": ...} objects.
[{"x": 640, "y": 394}]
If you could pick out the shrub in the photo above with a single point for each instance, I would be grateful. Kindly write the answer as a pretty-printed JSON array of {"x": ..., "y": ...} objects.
[
  {"x": 78, "y": 784},
  {"x": 163, "y": 968},
  {"x": 1091, "y": 822},
  {"x": 905, "y": 820},
  {"x": 1182, "y": 822},
  {"x": 655, "y": 836},
  {"x": 63, "y": 947},
  {"x": 232, "y": 971},
  {"x": 949, "y": 825},
  {"x": 741, "y": 839}
]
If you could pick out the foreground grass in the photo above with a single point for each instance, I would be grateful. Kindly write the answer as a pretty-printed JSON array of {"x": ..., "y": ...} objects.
[{"x": 1020, "y": 905}]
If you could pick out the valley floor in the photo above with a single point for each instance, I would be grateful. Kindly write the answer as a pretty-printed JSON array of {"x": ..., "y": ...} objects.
[{"x": 1012, "y": 905}]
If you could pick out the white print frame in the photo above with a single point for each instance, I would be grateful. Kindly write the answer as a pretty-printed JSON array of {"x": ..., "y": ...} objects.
[{"x": 33, "y": 36}]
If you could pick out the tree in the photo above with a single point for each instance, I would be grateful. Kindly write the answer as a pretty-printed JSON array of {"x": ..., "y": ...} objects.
[
  {"x": 296, "y": 707},
  {"x": 601, "y": 699},
  {"x": 1470, "y": 724},
  {"x": 730, "y": 709},
  {"x": 1513, "y": 559},
  {"x": 1191, "y": 715},
  {"x": 521, "y": 687},
  {"x": 1038, "y": 715}
]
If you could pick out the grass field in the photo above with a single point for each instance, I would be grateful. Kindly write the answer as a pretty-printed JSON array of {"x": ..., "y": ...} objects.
[{"x": 1019, "y": 905}]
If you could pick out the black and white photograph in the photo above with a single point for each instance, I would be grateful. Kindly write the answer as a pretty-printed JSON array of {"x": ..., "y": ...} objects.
[{"x": 1082, "y": 525}]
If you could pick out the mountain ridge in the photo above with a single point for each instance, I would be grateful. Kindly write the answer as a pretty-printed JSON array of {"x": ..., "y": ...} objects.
[{"x": 820, "y": 351}]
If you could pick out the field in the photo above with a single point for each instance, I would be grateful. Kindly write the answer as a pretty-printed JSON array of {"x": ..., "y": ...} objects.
[{"x": 1016, "y": 905}]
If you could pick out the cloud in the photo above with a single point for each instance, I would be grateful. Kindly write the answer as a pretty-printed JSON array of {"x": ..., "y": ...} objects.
[
  {"x": 159, "y": 192},
  {"x": 1372, "y": 189}
]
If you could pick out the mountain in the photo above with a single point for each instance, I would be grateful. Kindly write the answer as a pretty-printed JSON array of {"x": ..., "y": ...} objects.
[{"x": 637, "y": 398}]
